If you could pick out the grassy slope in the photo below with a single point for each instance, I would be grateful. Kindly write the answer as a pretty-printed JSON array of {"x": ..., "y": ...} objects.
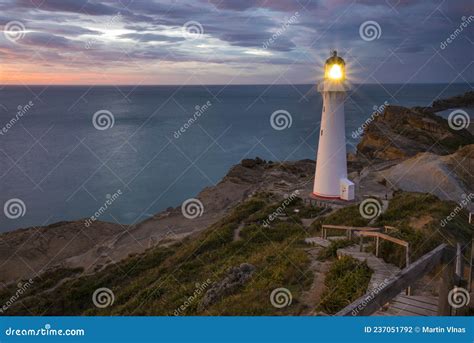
[{"x": 160, "y": 280}]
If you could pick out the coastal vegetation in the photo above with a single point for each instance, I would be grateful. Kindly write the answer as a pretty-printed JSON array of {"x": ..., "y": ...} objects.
[
  {"x": 163, "y": 278},
  {"x": 160, "y": 280},
  {"x": 346, "y": 281}
]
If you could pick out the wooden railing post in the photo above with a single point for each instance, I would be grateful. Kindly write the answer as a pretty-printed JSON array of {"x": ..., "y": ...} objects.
[
  {"x": 407, "y": 256},
  {"x": 447, "y": 282},
  {"x": 471, "y": 263},
  {"x": 459, "y": 278},
  {"x": 407, "y": 263},
  {"x": 377, "y": 241},
  {"x": 459, "y": 263}
]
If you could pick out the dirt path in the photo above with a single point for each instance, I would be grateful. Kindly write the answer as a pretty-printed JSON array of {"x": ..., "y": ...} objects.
[{"x": 312, "y": 297}]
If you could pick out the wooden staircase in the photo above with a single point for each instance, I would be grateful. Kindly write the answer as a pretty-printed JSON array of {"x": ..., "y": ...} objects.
[{"x": 402, "y": 304}]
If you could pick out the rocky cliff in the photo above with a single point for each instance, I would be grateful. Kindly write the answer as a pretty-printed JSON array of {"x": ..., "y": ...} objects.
[{"x": 400, "y": 132}]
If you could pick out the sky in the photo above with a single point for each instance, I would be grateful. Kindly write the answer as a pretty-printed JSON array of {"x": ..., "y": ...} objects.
[{"x": 148, "y": 42}]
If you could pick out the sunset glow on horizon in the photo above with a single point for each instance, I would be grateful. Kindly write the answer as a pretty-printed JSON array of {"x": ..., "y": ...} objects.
[{"x": 214, "y": 42}]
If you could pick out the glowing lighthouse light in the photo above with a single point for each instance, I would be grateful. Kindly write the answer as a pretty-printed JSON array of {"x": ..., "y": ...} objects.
[
  {"x": 335, "y": 72},
  {"x": 330, "y": 179}
]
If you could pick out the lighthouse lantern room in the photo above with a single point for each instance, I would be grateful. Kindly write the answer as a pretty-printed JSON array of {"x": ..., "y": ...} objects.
[{"x": 330, "y": 179}]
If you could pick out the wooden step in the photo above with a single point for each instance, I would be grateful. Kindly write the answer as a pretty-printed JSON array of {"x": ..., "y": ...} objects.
[
  {"x": 426, "y": 301},
  {"x": 413, "y": 310},
  {"x": 318, "y": 241}
]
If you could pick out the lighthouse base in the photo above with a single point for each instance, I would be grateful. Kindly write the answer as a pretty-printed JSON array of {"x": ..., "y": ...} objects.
[
  {"x": 335, "y": 203},
  {"x": 346, "y": 192},
  {"x": 324, "y": 197}
]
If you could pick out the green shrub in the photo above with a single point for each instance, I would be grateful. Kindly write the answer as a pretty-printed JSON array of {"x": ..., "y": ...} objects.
[
  {"x": 346, "y": 281},
  {"x": 349, "y": 216}
]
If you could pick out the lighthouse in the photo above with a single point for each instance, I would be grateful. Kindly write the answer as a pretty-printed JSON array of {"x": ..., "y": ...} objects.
[{"x": 330, "y": 180}]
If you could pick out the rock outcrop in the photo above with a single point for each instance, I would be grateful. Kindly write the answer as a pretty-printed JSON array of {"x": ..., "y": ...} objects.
[
  {"x": 465, "y": 100},
  {"x": 25, "y": 253},
  {"x": 448, "y": 177},
  {"x": 400, "y": 133},
  {"x": 236, "y": 277}
]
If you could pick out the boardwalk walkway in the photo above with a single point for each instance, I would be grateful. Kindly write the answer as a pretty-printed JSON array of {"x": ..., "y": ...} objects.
[
  {"x": 401, "y": 305},
  {"x": 382, "y": 271}
]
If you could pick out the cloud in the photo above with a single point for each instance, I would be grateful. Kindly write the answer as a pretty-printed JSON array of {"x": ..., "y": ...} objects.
[
  {"x": 75, "y": 6},
  {"x": 47, "y": 40},
  {"x": 257, "y": 40},
  {"x": 151, "y": 37},
  {"x": 61, "y": 29},
  {"x": 276, "y": 5},
  {"x": 234, "y": 32}
]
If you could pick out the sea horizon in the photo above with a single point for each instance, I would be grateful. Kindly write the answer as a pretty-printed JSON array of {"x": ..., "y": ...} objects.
[
  {"x": 237, "y": 118},
  {"x": 227, "y": 85}
]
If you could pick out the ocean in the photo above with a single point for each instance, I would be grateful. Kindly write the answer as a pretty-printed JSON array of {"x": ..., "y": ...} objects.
[{"x": 68, "y": 150}]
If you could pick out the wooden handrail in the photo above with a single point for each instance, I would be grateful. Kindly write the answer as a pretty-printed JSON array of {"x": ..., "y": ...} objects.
[
  {"x": 384, "y": 236},
  {"x": 376, "y": 298},
  {"x": 378, "y": 236},
  {"x": 355, "y": 228},
  {"x": 349, "y": 229}
]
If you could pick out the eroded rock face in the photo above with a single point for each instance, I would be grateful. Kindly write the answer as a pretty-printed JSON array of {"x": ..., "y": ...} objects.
[
  {"x": 465, "y": 100},
  {"x": 448, "y": 177},
  {"x": 400, "y": 133},
  {"x": 236, "y": 277}
]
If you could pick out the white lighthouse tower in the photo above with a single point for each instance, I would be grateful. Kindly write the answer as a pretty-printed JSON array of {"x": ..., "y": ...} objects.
[{"x": 330, "y": 179}]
